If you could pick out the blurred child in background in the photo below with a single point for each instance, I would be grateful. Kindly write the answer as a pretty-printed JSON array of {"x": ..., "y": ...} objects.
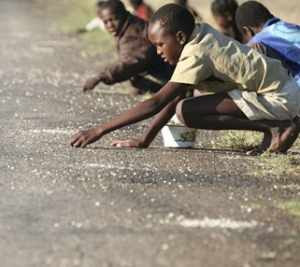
[
  {"x": 141, "y": 9},
  {"x": 270, "y": 35},
  {"x": 184, "y": 3},
  {"x": 138, "y": 61},
  {"x": 223, "y": 12}
]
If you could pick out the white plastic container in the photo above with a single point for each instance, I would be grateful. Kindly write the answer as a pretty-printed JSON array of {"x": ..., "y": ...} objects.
[{"x": 176, "y": 135}]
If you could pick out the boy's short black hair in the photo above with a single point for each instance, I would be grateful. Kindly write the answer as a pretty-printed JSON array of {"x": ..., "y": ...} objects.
[
  {"x": 224, "y": 7},
  {"x": 136, "y": 2},
  {"x": 174, "y": 18},
  {"x": 252, "y": 14},
  {"x": 181, "y": 2},
  {"x": 116, "y": 6}
]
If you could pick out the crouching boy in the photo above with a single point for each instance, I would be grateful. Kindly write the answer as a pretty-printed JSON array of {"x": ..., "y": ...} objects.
[
  {"x": 270, "y": 35},
  {"x": 138, "y": 61},
  {"x": 251, "y": 91}
]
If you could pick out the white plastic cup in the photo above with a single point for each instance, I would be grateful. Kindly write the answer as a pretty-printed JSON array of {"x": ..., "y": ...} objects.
[{"x": 177, "y": 136}]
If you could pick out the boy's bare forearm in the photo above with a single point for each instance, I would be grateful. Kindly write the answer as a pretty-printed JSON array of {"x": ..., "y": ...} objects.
[
  {"x": 145, "y": 109},
  {"x": 159, "y": 121},
  {"x": 122, "y": 71},
  {"x": 140, "y": 112}
]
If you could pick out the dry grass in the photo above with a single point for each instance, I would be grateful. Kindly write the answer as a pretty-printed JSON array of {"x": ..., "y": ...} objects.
[
  {"x": 282, "y": 167},
  {"x": 272, "y": 165},
  {"x": 237, "y": 140}
]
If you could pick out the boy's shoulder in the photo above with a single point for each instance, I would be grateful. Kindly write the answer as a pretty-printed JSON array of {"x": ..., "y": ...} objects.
[
  {"x": 202, "y": 39},
  {"x": 202, "y": 32}
]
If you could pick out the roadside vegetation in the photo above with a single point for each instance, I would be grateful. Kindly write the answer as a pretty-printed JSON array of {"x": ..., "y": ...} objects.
[
  {"x": 75, "y": 18},
  {"x": 280, "y": 166}
]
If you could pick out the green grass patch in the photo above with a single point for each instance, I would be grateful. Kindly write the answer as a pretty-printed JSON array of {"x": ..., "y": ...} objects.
[
  {"x": 271, "y": 165},
  {"x": 292, "y": 207},
  {"x": 242, "y": 140},
  {"x": 237, "y": 140},
  {"x": 279, "y": 166},
  {"x": 78, "y": 14}
]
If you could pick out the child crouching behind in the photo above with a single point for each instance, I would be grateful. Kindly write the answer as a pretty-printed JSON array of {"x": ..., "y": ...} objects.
[{"x": 138, "y": 61}]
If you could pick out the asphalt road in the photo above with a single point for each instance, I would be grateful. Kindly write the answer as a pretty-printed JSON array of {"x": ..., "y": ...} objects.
[{"x": 61, "y": 206}]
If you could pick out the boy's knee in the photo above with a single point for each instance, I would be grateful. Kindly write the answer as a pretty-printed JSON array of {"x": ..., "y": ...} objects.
[{"x": 179, "y": 112}]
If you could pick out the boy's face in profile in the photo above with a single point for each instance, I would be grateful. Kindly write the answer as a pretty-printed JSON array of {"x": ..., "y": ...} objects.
[
  {"x": 112, "y": 22},
  {"x": 168, "y": 45}
]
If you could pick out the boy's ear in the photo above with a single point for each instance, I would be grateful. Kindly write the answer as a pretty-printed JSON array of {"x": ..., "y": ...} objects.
[
  {"x": 181, "y": 37},
  {"x": 247, "y": 31}
]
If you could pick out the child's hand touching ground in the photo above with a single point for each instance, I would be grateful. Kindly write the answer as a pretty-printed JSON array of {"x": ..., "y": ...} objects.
[
  {"x": 84, "y": 138},
  {"x": 130, "y": 143},
  {"x": 90, "y": 84}
]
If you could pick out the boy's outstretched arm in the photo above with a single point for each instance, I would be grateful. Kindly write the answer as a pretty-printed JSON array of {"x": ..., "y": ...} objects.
[
  {"x": 152, "y": 130},
  {"x": 135, "y": 57},
  {"x": 142, "y": 111}
]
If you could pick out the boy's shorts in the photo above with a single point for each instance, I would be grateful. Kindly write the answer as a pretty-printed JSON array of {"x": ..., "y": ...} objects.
[{"x": 279, "y": 105}]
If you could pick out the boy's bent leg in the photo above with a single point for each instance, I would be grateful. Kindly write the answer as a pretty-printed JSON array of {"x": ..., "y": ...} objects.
[
  {"x": 289, "y": 135},
  {"x": 191, "y": 110},
  {"x": 219, "y": 112},
  {"x": 272, "y": 140}
]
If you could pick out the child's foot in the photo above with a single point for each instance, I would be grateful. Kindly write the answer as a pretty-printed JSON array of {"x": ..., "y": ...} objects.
[
  {"x": 289, "y": 136},
  {"x": 262, "y": 147},
  {"x": 284, "y": 137},
  {"x": 279, "y": 139},
  {"x": 270, "y": 142},
  {"x": 275, "y": 140}
]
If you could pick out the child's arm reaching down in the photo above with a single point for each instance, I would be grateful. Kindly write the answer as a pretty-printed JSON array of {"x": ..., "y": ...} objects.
[
  {"x": 155, "y": 126},
  {"x": 142, "y": 111}
]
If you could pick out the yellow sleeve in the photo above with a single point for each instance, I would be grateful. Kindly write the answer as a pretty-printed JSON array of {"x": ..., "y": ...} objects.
[{"x": 191, "y": 69}]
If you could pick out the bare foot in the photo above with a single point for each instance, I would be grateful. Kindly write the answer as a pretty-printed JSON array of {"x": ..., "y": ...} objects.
[
  {"x": 284, "y": 137},
  {"x": 275, "y": 141},
  {"x": 279, "y": 139},
  {"x": 264, "y": 145},
  {"x": 289, "y": 136},
  {"x": 270, "y": 142}
]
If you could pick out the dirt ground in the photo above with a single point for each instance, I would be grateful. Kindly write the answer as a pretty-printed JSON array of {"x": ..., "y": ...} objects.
[{"x": 104, "y": 207}]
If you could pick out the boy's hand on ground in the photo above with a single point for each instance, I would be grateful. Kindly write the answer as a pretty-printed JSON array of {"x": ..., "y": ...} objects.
[
  {"x": 84, "y": 138},
  {"x": 90, "y": 84},
  {"x": 131, "y": 143}
]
